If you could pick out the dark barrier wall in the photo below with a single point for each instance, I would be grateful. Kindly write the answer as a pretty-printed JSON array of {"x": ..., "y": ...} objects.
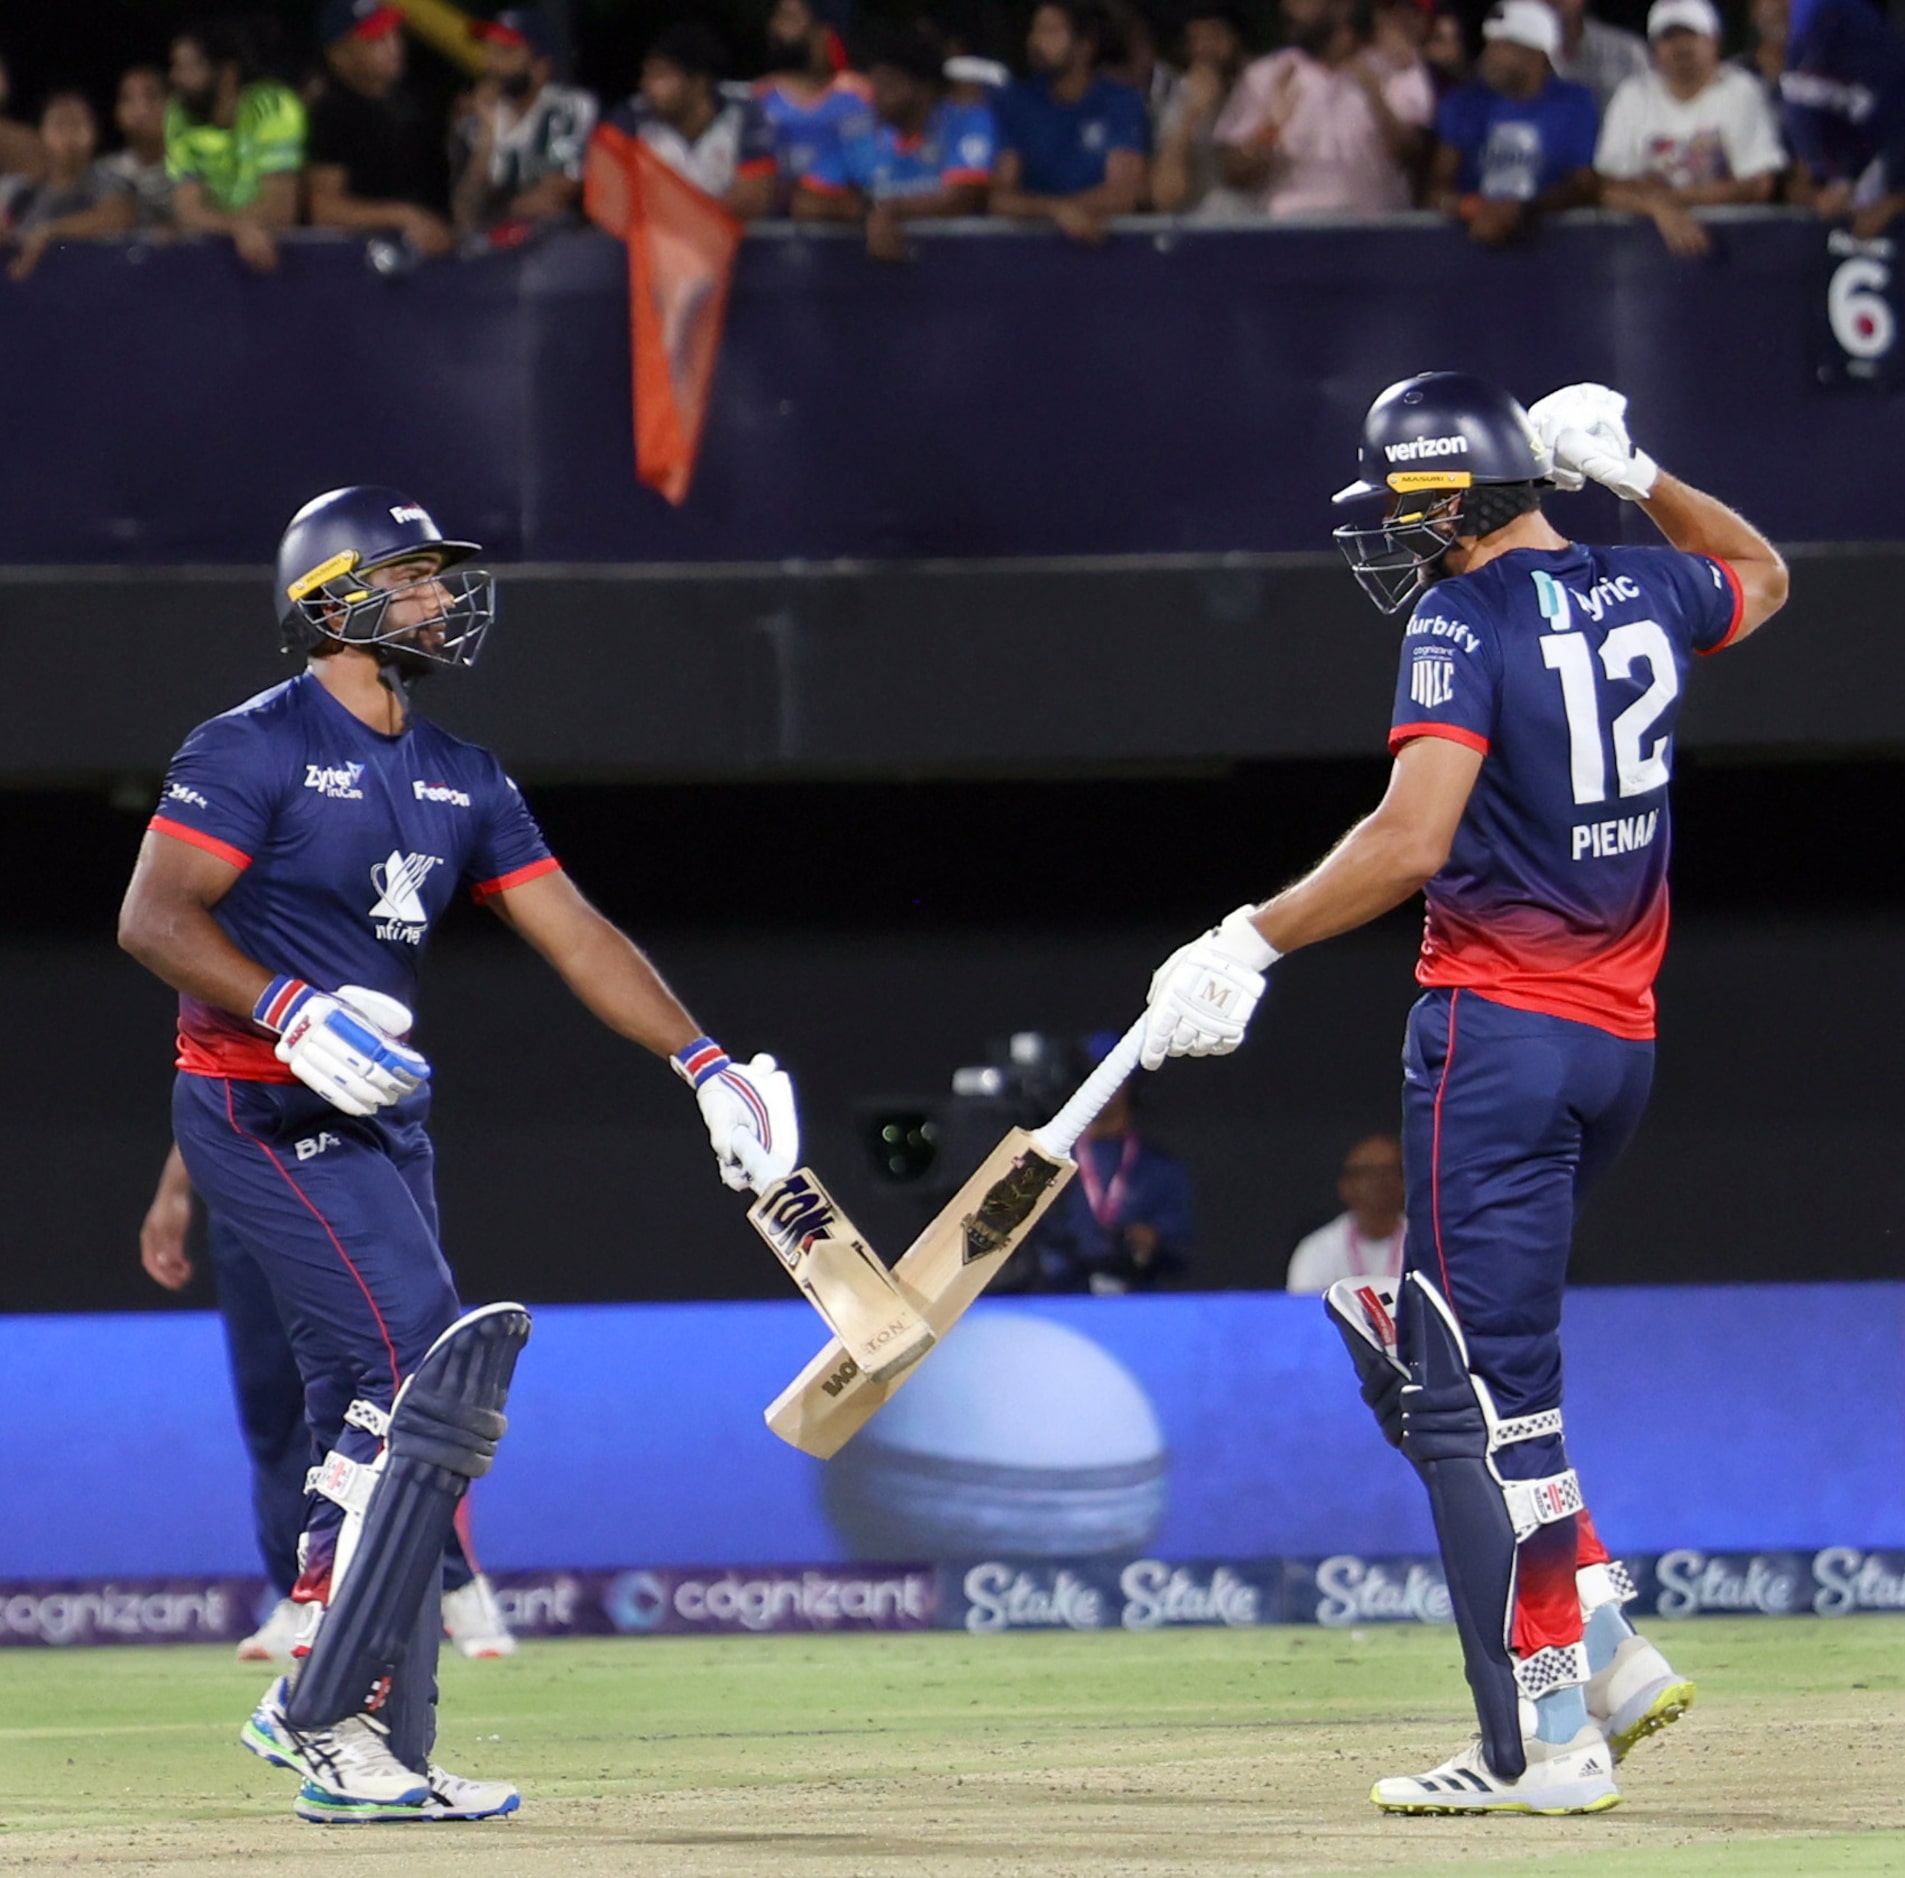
[
  {"x": 908, "y": 669},
  {"x": 1011, "y": 394}
]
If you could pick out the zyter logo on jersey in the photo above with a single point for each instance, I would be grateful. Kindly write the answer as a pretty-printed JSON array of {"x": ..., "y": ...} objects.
[{"x": 399, "y": 911}]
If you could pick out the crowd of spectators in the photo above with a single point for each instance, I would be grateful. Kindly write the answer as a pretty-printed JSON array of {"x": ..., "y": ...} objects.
[{"x": 1367, "y": 108}]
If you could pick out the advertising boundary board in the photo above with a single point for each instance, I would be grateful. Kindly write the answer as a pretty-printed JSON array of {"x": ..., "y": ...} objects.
[{"x": 986, "y": 1597}]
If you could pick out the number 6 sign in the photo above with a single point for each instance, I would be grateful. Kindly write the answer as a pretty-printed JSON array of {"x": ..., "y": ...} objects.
[{"x": 1860, "y": 344}]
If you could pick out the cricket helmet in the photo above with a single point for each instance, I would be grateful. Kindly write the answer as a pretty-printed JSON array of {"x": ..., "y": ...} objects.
[
  {"x": 1452, "y": 455},
  {"x": 338, "y": 538}
]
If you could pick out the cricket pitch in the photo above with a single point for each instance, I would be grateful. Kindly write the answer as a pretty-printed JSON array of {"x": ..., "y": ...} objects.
[{"x": 1173, "y": 1754}]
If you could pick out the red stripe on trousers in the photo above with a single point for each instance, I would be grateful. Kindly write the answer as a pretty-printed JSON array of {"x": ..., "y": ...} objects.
[{"x": 383, "y": 1329}]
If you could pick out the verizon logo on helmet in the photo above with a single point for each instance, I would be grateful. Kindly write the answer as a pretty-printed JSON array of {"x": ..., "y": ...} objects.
[
  {"x": 1419, "y": 447},
  {"x": 408, "y": 513}
]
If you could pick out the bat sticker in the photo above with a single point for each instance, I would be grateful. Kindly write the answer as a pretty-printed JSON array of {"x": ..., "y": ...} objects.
[{"x": 1007, "y": 1205}]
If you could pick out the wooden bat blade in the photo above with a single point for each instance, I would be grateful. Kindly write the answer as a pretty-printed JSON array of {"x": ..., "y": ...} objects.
[
  {"x": 964, "y": 1246},
  {"x": 878, "y": 1326}
]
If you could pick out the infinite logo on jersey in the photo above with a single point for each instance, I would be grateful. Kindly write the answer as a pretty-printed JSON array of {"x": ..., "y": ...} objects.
[
  {"x": 400, "y": 912},
  {"x": 336, "y": 780}
]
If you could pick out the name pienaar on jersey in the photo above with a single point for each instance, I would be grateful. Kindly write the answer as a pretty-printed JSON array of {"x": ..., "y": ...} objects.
[{"x": 1595, "y": 840}]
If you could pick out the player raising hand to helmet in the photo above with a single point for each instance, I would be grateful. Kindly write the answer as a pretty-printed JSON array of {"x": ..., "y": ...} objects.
[
  {"x": 304, "y": 847},
  {"x": 1533, "y": 730}
]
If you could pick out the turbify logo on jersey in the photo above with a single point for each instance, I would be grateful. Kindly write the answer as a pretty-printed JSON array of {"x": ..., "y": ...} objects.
[
  {"x": 400, "y": 912},
  {"x": 1432, "y": 677},
  {"x": 337, "y": 780}
]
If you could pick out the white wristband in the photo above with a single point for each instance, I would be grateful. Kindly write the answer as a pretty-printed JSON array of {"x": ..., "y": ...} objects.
[{"x": 1245, "y": 943}]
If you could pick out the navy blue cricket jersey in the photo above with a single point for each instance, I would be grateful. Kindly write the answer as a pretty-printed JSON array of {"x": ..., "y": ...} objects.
[
  {"x": 1566, "y": 670},
  {"x": 351, "y": 845}
]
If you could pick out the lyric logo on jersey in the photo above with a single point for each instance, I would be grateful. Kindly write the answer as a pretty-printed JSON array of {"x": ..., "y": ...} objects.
[
  {"x": 1419, "y": 447},
  {"x": 440, "y": 792},
  {"x": 338, "y": 781},
  {"x": 1432, "y": 677},
  {"x": 400, "y": 912}
]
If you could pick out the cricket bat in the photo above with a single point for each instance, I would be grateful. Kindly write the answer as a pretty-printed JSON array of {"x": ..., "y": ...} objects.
[
  {"x": 872, "y": 1317},
  {"x": 953, "y": 1260}
]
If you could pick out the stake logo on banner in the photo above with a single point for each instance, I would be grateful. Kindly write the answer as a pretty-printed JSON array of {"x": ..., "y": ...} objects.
[{"x": 681, "y": 248}]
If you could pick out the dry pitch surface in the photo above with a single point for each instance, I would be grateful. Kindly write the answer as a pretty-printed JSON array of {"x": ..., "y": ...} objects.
[{"x": 1170, "y": 1754}]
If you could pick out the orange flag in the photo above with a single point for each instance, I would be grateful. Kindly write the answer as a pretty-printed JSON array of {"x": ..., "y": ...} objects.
[{"x": 681, "y": 247}]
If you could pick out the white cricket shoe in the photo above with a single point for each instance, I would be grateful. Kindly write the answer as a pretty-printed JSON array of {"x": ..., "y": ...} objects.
[
  {"x": 1636, "y": 1695},
  {"x": 474, "y": 1622},
  {"x": 350, "y": 1774},
  {"x": 265, "y": 1733},
  {"x": 271, "y": 1642},
  {"x": 453, "y": 1797},
  {"x": 1573, "y": 1777}
]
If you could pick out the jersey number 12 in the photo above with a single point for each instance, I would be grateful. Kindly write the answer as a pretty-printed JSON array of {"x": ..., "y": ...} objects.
[{"x": 1639, "y": 765}]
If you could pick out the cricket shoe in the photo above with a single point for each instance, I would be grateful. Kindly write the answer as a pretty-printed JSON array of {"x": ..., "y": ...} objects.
[
  {"x": 446, "y": 1796},
  {"x": 350, "y": 1774},
  {"x": 1568, "y": 1777},
  {"x": 474, "y": 1622},
  {"x": 266, "y": 1735},
  {"x": 271, "y": 1642},
  {"x": 453, "y": 1797},
  {"x": 1636, "y": 1695}
]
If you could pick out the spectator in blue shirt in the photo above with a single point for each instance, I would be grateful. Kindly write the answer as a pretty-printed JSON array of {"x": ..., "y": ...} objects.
[
  {"x": 808, "y": 95},
  {"x": 1516, "y": 139},
  {"x": 1072, "y": 143},
  {"x": 1843, "y": 97},
  {"x": 921, "y": 155}
]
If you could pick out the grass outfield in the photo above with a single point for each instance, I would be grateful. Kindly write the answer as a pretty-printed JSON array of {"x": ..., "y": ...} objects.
[{"x": 1175, "y": 1752}]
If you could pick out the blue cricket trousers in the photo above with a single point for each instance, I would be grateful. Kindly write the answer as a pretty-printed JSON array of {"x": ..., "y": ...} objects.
[
  {"x": 340, "y": 1217},
  {"x": 1509, "y": 1119}
]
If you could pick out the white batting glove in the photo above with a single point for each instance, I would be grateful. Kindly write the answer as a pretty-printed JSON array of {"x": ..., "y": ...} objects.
[
  {"x": 343, "y": 1044},
  {"x": 1202, "y": 996},
  {"x": 750, "y": 1113},
  {"x": 1585, "y": 429}
]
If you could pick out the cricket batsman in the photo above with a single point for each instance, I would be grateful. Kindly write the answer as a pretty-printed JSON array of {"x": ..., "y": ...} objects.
[
  {"x": 1540, "y": 683},
  {"x": 305, "y": 845}
]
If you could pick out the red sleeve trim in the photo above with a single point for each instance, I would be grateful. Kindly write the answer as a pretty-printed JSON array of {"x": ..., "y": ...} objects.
[
  {"x": 199, "y": 839},
  {"x": 1739, "y": 609},
  {"x": 826, "y": 189},
  {"x": 489, "y": 889},
  {"x": 957, "y": 178},
  {"x": 755, "y": 166},
  {"x": 1408, "y": 733}
]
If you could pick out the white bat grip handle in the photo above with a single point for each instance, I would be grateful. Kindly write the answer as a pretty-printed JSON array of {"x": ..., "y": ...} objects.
[
  {"x": 753, "y": 1157},
  {"x": 1060, "y": 1135}
]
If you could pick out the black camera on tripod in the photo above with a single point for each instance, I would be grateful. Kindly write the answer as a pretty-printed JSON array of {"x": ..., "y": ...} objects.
[{"x": 931, "y": 1143}]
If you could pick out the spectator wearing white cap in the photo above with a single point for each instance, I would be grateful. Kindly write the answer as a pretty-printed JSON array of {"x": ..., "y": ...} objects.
[
  {"x": 1692, "y": 133},
  {"x": 1516, "y": 139},
  {"x": 1595, "y": 54}
]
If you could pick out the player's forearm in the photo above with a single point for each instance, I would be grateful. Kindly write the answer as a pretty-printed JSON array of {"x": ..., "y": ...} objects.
[
  {"x": 613, "y": 978},
  {"x": 1376, "y": 866},
  {"x": 543, "y": 201},
  {"x": 175, "y": 1184},
  {"x": 1697, "y": 523}
]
